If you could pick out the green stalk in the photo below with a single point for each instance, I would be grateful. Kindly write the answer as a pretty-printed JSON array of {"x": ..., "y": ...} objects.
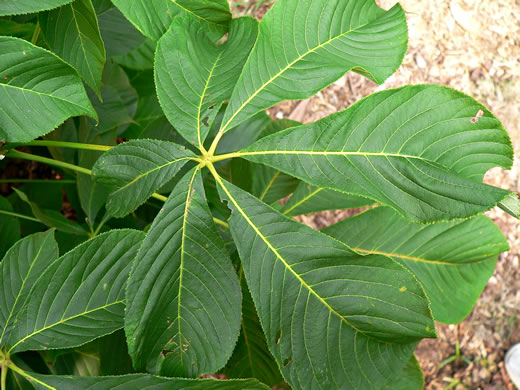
[
  {"x": 11, "y": 214},
  {"x": 61, "y": 144},
  {"x": 61, "y": 164},
  {"x": 48, "y": 161},
  {"x": 37, "y": 181},
  {"x": 3, "y": 381},
  {"x": 36, "y": 34},
  {"x": 30, "y": 378}
]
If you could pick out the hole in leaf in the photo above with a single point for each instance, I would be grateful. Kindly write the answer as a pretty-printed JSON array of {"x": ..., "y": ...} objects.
[
  {"x": 287, "y": 361},
  {"x": 222, "y": 40},
  {"x": 205, "y": 121},
  {"x": 278, "y": 336}
]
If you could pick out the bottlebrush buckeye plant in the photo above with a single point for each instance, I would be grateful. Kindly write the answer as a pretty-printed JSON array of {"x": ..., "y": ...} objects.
[{"x": 181, "y": 261}]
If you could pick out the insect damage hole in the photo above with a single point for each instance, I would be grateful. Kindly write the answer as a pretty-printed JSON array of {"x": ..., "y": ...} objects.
[{"x": 476, "y": 118}]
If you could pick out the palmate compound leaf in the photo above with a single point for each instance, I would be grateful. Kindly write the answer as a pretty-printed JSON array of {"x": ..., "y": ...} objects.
[
  {"x": 38, "y": 91},
  {"x": 194, "y": 75},
  {"x": 453, "y": 260},
  {"x": 22, "y": 265},
  {"x": 18, "y": 7},
  {"x": 79, "y": 297},
  {"x": 72, "y": 32},
  {"x": 134, "y": 170},
  {"x": 183, "y": 309},
  {"x": 153, "y": 17},
  {"x": 140, "y": 382},
  {"x": 414, "y": 149},
  {"x": 332, "y": 318},
  {"x": 303, "y": 46}
]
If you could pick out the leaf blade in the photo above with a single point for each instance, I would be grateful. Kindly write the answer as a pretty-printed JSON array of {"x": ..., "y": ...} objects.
[
  {"x": 71, "y": 303},
  {"x": 310, "y": 199},
  {"x": 142, "y": 381},
  {"x": 359, "y": 32},
  {"x": 19, "y": 7},
  {"x": 153, "y": 18},
  {"x": 183, "y": 314},
  {"x": 453, "y": 260},
  {"x": 29, "y": 257},
  {"x": 41, "y": 80},
  {"x": 133, "y": 173},
  {"x": 412, "y": 148},
  {"x": 304, "y": 358},
  {"x": 194, "y": 76},
  {"x": 88, "y": 58}
]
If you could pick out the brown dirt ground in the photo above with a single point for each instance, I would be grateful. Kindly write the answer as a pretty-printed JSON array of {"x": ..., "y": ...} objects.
[{"x": 473, "y": 46}]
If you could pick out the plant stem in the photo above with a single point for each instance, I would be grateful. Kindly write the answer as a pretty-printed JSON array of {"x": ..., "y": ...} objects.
[
  {"x": 3, "y": 380},
  {"x": 61, "y": 144},
  {"x": 37, "y": 181},
  {"x": 36, "y": 34},
  {"x": 226, "y": 156},
  {"x": 11, "y": 214},
  {"x": 160, "y": 197},
  {"x": 61, "y": 164},
  {"x": 13, "y": 367},
  {"x": 49, "y": 161}
]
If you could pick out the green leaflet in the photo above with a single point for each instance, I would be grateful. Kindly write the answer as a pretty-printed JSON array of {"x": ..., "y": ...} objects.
[
  {"x": 453, "y": 260},
  {"x": 270, "y": 185},
  {"x": 310, "y": 199},
  {"x": 411, "y": 378},
  {"x": 140, "y": 58},
  {"x": 119, "y": 36},
  {"x": 320, "y": 303},
  {"x": 183, "y": 310},
  {"x": 19, "y": 30},
  {"x": 134, "y": 170},
  {"x": 251, "y": 358},
  {"x": 72, "y": 32},
  {"x": 194, "y": 75},
  {"x": 20, "y": 268},
  {"x": 42, "y": 90},
  {"x": 79, "y": 297},
  {"x": 414, "y": 149},
  {"x": 140, "y": 382},
  {"x": 9, "y": 227},
  {"x": 303, "y": 46},
  {"x": 52, "y": 218},
  {"x": 92, "y": 196},
  {"x": 18, "y": 7},
  {"x": 153, "y": 17}
]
